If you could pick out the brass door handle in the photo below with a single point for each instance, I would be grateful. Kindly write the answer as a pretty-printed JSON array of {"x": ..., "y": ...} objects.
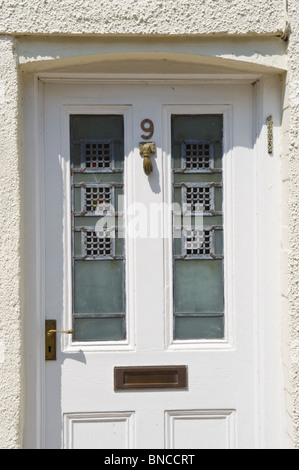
[
  {"x": 50, "y": 339},
  {"x": 51, "y": 332}
]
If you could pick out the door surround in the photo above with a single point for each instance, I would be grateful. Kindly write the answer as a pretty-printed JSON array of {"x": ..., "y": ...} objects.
[{"x": 267, "y": 203}]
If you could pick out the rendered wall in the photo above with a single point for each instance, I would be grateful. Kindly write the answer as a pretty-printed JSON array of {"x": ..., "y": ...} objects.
[
  {"x": 10, "y": 250},
  {"x": 292, "y": 294},
  {"x": 175, "y": 17}
]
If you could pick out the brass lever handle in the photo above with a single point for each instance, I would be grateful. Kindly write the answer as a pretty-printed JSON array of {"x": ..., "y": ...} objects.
[
  {"x": 51, "y": 332},
  {"x": 50, "y": 339}
]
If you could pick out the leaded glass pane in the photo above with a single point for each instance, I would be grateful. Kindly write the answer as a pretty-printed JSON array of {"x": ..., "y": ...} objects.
[
  {"x": 199, "y": 327},
  {"x": 197, "y": 142},
  {"x": 97, "y": 162},
  {"x": 99, "y": 329}
]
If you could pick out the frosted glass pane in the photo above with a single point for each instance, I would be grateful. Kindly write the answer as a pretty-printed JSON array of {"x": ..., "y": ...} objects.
[
  {"x": 218, "y": 199},
  {"x": 99, "y": 286},
  {"x": 99, "y": 329},
  {"x": 107, "y": 127},
  {"x": 213, "y": 220},
  {"x": 199, "y": 328},
  {"x": 198, "y": 286},
  {"x": 199, "y": 126},
  {"x": 194, "y": 178},
  {"x": 77, "y": 199},
  {"x": 218, "y": 242},
  {"x": 98, "y": 178},
  {"x": 207, "y": 127}
]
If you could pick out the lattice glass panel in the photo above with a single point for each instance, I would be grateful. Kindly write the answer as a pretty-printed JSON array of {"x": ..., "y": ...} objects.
[
  {"x": 198, "y": 238},
  {"x": 197, "y": 156},
  {"x": 98, "y": 199},
  {"x": 98, "y": 248},
  {"x": 98, "y": 244},
  {"x": 197, "y": 242},
  {"x": 199, "y": 198},
  {"x": 98, "y": 155}
]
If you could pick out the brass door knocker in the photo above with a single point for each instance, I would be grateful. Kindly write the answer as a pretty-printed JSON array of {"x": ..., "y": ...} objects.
[{"x": 147, "y": 149}]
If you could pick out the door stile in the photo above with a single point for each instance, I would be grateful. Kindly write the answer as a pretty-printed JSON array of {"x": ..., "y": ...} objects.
[
  {"x": 267, "y": 243},
  {"x": 40, "y": 216}
]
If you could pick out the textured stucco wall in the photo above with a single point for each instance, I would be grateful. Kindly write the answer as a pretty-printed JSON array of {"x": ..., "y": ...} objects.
[
  {"x": 293, "y": 268},
  {"x": 10, "y": 252},
  {"x": 175, "y": 17}
]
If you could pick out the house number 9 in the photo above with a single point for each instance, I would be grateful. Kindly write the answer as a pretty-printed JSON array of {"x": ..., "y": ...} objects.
[{"x": 147, "y": 126}]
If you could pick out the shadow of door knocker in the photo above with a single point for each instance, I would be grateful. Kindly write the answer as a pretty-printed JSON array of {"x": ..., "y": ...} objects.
[{"x": 147, "y": 149}]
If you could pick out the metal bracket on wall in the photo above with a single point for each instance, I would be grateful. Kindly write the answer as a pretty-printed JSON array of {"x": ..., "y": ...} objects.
[{"x": 270, "y": 134}]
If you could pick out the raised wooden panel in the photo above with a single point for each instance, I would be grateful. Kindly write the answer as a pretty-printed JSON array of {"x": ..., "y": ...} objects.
[
  {"x": 99, "y": 430},
  {"x": 200, "y": 429}
]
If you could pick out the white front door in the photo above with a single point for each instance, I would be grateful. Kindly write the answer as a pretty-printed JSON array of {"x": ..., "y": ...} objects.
[{"x": 154, "y": 273}]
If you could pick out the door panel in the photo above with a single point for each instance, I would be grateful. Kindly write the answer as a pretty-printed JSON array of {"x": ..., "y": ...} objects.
[{"x": 160, "y": 289}]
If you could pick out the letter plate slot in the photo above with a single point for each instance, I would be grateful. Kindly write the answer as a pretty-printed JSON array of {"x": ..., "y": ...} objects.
[{"x": 150, "y": 377}]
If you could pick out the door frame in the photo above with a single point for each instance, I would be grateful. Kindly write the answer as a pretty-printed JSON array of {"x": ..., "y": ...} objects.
[{"x": 270, "y": 427}]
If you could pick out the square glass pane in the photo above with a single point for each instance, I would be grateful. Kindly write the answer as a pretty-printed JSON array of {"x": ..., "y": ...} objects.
[
  {"x": 199, "y": 328},
  {"x": 198, "y": 286},
  {"x": 98, "y": 287},
  {"x": 196, "y": 131},
  {"x": 94, "y": 128},
  {"x": 99, "y": 329}
]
